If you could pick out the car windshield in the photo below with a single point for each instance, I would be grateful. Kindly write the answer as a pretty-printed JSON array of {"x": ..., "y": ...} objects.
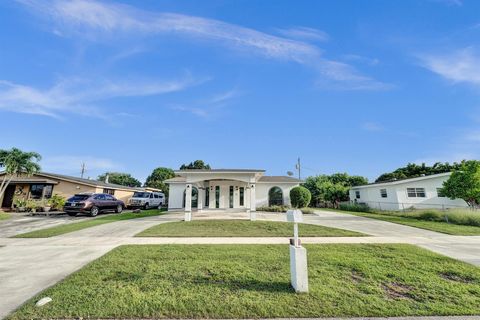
[
  {"x": 79, "y": 197},
  {"x": 141, "y": 195}
]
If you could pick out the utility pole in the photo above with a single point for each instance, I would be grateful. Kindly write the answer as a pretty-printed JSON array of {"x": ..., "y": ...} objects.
[
  {"x": 298, "y": 166},
  {"x": 83, "y": 170}
]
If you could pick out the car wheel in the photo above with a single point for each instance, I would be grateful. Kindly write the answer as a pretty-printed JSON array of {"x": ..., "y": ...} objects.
[
  {"x": 94, "y": 211},
  {"x": 72, "y": 214},
  {"x": 119, "y": 209},
  {"x": 146, "y": 206}
]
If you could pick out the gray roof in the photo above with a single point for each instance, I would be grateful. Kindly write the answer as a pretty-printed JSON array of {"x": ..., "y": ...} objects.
[
  {"x": 279, "y": 179},
  {"x": 406, "y": 180},
  {"x": 263, "y": 179},
  {"x": 220, "y": 170},
  {"x": 90, "y": 182}
]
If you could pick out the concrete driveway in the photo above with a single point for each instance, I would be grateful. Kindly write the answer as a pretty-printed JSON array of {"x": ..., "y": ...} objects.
[{"x": 28, "y": 266}]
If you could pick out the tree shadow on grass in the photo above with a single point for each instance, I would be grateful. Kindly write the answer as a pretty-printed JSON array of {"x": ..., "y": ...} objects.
[{"x": 245, "y": 284}]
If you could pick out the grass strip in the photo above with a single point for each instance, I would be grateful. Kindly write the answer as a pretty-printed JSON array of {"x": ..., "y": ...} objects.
[
  {"x": 241, "y": 228},
  {"x": 71, "y": 227}
]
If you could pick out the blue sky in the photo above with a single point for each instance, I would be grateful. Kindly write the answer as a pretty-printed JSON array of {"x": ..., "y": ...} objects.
[{"x": 349, "y": 86}]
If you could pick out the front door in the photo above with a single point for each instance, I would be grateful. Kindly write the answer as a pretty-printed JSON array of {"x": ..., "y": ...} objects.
[{"x": 8, "y": 197}]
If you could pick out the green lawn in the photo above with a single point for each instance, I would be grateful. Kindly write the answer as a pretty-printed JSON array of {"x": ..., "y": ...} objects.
[
  {"x": 252, "y": 281},
  {"x": 443, "y": 227},
  {"x": 66, "y": 228},
  {"x": 241, "y": 228},
  {"x": 4, "y": 216}
]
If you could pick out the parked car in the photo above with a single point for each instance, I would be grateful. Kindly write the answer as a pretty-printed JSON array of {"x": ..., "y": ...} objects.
[
  {"x": 92, "y": 203},
  {"x": 146, "y": 200}
]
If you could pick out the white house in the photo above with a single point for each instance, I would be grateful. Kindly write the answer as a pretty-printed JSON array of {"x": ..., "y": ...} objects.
[
  {"x": 420, "y": 193},
  {"x": 224, "y": 189}
]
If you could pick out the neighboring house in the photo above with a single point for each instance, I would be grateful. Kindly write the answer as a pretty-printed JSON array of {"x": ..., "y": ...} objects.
[
  {"x": 420, "y": 193},
  {"x": 44, "y": 185},
  {"x": 239, "y": 189}
]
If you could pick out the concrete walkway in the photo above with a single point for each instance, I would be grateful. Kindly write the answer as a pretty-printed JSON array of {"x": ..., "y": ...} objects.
[{"x": 28, "y": 266}]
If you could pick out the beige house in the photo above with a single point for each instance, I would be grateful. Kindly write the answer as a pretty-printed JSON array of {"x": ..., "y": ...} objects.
[{"x": 44, "y": 185}]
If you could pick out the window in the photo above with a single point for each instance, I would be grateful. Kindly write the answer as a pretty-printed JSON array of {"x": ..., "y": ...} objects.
[
  {"x": 155, "y": 196},
  {"x": 275, "y": 197},
  {"x": 109, "y": 191},
  {"x": 383, "y": 193},
  {"x": 109, "y": 198},
  {"x": 357, "y": 194},
  {"x": 242, "y": 196},
  {"x": 217, "y": 197},
  {"x": 440, "y": 193},
  {"x": 100, "y": 197},
  {"x": 207, "y": 197},
  {"x": 39, "y": 190},
  {"x": 231, "y": 197},
  {"x": 416, "y": 192}
]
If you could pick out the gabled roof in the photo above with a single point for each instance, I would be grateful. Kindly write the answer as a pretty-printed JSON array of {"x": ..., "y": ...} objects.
[
  {"x": 279, "y": 179},
  {"x": 219, "y": 170},
  {"x": 88, "y": 182},
  {"x": 403, "y": 181}
]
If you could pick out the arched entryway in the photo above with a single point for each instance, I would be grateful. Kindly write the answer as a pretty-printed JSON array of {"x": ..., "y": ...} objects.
[
  {"x": 275, "y": 197},
  {"x": 194, "y": 197}
]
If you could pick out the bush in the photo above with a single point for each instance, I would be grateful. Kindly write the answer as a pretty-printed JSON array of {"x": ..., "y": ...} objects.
[
  {"x": 431, "y": 215},
  {"x": 307, "y": 211},
  {"x": 273, "y": 209},
  {"x": 355, "y": 207},
  {"x": 57, "y": 202},
  {"x": 300, "y": 197}
]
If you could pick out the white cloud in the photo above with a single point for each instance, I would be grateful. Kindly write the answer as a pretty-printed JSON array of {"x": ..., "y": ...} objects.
[
  {"x": 305, "y": 33},
  {"x": 372, "y": 127},
  {"x": 80, "y": 96},
  {"x": 361, "y": 59},
  {"x": 208, "y": 108},
  {"x": 93, "y": 20},
  {"x": 456, "y": 3},
  {"x": 71, "y": 164},
  {"x": 458, "y": 66}
]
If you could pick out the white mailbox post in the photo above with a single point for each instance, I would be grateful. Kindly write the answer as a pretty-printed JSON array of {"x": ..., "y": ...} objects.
[{"x": 298, "y": 255}]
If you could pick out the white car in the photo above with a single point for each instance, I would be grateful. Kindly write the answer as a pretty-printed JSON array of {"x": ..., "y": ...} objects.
[{"x": 146, "y": 200}]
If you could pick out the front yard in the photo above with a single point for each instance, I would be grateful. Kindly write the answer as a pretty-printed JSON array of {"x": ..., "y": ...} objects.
[
  {"x": 241, "y": 228},
  {"x": 71, "y": 227},
  {"x": 438, "y": 226},
  {"x": 252, "y": 281},
  {"x": 4, "y": 215}
]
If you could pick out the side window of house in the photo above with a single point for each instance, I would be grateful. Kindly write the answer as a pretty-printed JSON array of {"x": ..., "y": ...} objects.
[
  {"x": 357, "y": 194},
  {"x": 416, "y": 192},
  {"x": 383, "y": 193},
  {"x": 440, "y": 193},
  {"x": 109, "y": 191}
]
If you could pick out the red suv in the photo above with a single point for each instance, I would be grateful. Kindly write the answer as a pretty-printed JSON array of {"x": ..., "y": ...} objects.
[{"x": 93, "y": 203}]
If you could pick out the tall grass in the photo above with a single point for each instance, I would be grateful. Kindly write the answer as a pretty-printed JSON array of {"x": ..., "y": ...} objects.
[{"x": 464, "y": 217}]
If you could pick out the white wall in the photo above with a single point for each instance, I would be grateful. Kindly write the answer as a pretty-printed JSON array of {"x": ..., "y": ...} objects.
[
  {"x": 398, "y": 199},
  {"x": 263, "y": 188},
  {"x": 175, "y": 196}
]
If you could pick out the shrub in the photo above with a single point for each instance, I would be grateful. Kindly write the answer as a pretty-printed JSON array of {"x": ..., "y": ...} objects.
[
  {"x": 56, "y": 202},
  {"x": 355, "y": 207},
  {"x": 431, "y": 215},
  {"x": 300, "y": 197},
  {"x": 307, "y": 211},
  {"x": 273, "y": 209}
]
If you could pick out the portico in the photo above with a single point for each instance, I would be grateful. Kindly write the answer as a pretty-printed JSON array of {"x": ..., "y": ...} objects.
[{"x": 224, "y": 189}]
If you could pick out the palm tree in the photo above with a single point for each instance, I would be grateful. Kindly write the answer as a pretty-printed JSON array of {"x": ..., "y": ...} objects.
[{"x": 17, "y": 162}]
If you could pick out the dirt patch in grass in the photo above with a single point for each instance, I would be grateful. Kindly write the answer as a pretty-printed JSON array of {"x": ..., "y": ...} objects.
[
  {"x": 357, "y": 277},
  {"x": 453, "y": 276},
  {"x": 396, "y": 290}
]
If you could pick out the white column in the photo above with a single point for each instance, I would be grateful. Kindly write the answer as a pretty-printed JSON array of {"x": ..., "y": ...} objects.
[
  {"x": 188, "y": 202},
  {"x": 253, "y": 203},
  {"x": 201, "y": 197}
]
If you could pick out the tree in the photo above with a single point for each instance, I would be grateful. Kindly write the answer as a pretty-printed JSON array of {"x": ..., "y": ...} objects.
[
  {"x": 413, "y": 170},
  {"x": 157, "y": 177},
  {"x": 332, "y": 188},
  {"x": 124, "y": 179},
  {"x": 16, "y": 162},
  {"x": 464, "y": 183},
  {"x": 197, "y": 164},
  {"x": 300, "y": 197}
]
